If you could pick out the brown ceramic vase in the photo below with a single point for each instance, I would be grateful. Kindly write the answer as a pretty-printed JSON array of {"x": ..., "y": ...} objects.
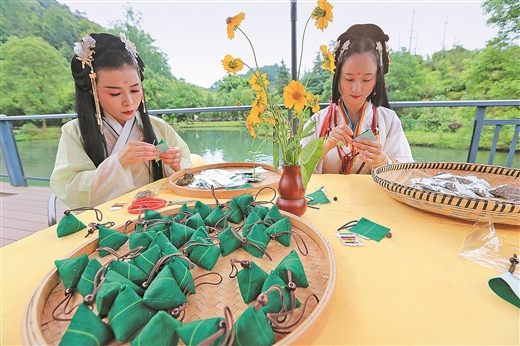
[{"x": 291, "y": 194}]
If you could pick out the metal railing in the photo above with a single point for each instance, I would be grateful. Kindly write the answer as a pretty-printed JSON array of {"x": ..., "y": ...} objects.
[{"x": 17, "y": 177}]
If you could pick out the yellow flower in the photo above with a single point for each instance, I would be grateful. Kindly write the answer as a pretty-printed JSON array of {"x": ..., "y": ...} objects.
[
  {"x": 231, "y": 64},
  {"x": 328, "y": 59},
  {"x": 323, "y": 14},
  {"x": 261, "y": 99},
  {"x": 252, "y": 119},
  {"x": 294, "y": 95},
  {"x": 233, "y": 23},
  {"x": 258, "y": 83},
  {"x": 314, "y": 102}
]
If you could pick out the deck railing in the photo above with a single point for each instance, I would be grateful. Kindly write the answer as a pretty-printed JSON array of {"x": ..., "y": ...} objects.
[{"x": 17, "y": 178}]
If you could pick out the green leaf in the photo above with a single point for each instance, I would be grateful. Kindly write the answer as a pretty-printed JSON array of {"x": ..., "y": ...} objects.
[
  {"x": 275, "y": 156},
  {"x": 310, "y": 157}
]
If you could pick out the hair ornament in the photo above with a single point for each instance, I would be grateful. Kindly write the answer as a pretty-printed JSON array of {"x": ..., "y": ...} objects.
[
  {"x": 129, "y": 46},
  {"x": 84, "y": 50},
  {"x": 379, "y": 48},
  {"x": 344, "y": 48},
  {"x": 336, "y": 46}
]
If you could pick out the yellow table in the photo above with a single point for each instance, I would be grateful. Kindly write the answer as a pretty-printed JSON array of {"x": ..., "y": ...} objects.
[{"x": 410, "y": 289}]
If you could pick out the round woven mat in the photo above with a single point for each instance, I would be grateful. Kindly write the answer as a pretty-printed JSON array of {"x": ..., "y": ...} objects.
[
  {"x": 395, "y": 179},
  {"x": 271, "y": 179},
  {"x": 209, "y": 300}
]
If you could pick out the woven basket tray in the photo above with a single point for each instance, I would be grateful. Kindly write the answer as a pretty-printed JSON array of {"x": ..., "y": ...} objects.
[
  {"x": 395, "y": 179},
  {"x": 271, "y": 180},
  {"x": 39, "y": 327}
]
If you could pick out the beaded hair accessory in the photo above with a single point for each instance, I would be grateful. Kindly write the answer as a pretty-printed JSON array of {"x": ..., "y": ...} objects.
[
  {"x": 129, "y": 46},
  {"x": 379, "y": 48},
  {"x": 84, "y": 49}
]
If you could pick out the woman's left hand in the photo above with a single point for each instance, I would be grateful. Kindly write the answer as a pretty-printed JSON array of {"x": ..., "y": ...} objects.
[
  {"x": 172, "y": 157},
  {"x": 370, "y": 152}
]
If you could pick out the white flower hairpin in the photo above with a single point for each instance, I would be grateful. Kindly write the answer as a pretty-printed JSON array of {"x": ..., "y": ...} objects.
[
  {"x": 83, "y": 50},
  {"x": 128, "y": 45}
]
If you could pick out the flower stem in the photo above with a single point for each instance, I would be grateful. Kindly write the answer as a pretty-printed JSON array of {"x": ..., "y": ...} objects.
[
  {"x": 252, "y": 48},
  {"x": 303, "y": 39}
]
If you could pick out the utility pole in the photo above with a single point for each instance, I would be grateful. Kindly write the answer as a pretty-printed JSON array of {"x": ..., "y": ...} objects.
[
  {"x": 411, "y": 32},
  {"x": 294, "y": 61},
  {"x": 444, "y": 37}
]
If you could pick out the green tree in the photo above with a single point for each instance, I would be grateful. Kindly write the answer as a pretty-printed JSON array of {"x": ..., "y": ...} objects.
[
  {"x": 154, "y": 59},
  {"x": 35, "y": 78},
  {"x": 447, "y": 67},
  {"x": 506, "y": 15},
  {"x": 283, "y": 79},
  {"x": 408, "y": 78}
]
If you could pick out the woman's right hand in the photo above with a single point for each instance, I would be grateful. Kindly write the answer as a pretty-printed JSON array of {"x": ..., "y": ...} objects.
[
  {"x": 339, "y": 134},
  {"x": 134, "y": 152}
]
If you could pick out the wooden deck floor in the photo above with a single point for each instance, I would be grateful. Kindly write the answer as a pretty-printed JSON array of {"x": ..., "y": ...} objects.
[{"x": 23, "y": 211}]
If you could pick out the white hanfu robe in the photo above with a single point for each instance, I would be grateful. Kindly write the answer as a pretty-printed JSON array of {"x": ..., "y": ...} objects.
[
  {"x": 77, "y": 182},
  {"x": 391, "y": 136}
]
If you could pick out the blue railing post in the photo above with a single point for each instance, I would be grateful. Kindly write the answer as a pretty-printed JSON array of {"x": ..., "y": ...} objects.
[
  {"x": 10, "y": 154},
  {"x": 475, "y": 138}
]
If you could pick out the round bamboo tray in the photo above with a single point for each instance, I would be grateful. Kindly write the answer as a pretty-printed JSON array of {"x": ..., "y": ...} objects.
[
  {"x": 395, "y": 179},
  {"x": 39, "y": 327},
  {"x": 272, "y": 177}
]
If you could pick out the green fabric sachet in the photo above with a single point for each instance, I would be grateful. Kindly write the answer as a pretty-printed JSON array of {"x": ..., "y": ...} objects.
[
  {"x": 143, "y": 239},
  {"x": 260, "y": 210},
  {"x": 86, "y": 281},
  {"x": 160, "y": 330},
  {"x": 183, "y": 212},
  {"x": 180, "y": 234},
  {"x": 370, "y": 229},
  {"x": 235, "y": 215},
  {"x": 194, "y": 333},
  {"x": 274, "y": 301},
  {"x": 203, "y": 209},
  {"x": 259, "y": 238},
  {"x": 147, "y": 260},
  {"x": 182, "y": 275},
  {"x": 129, "y": 271},
  {"x": 110, "y": 289},
  {"x": 251, "y": 220},
  {"x": 229, "y": 240},
  {"x": 161, "y": 241},
  {"x": 250, "y": 281},
  {"x": 111, "y": 239},
  {"x": 317, "y": 197},
  {"x": 281, "y": 230},
  {"x": 244, "y": 201},
  {"x": 273, "y": 215},
  {"x": 68, "y": 225},
  {"x": 70, "y": 270},
  {"x": 128, "y": 314},
  {"x": 203, "y": 252},
  {"x": 195, "y": 221},
  {"x": 149, "y": 215},
  {"x": 86, "y": 328},
  {"x": 162, "y": 147},
  {"x": 507, "y": 287},
  {"x": 292, "y": 262},
  {"x": 164, "y": 292},
  {"x": 217, "y": 218},
  {"x": 253, "y": 328}
]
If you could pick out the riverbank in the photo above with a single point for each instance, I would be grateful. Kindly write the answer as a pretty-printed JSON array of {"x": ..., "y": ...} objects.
[{"x": 451, "y": 140}]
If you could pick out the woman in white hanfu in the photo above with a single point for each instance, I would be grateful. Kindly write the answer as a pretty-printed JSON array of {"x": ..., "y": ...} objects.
[
  {"x": 114, "y": 146},
  {"x": 359, "y": 106}
]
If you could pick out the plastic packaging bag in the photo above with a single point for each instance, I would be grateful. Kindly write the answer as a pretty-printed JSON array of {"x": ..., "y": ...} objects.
[{"x": 483, "y": 247}]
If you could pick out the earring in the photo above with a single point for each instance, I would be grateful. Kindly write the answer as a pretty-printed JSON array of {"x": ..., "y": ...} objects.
[{"x": 374, "y": 93}]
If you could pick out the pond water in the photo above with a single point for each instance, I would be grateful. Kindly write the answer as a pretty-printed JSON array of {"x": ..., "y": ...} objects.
[{"x": 224, "y": 145}]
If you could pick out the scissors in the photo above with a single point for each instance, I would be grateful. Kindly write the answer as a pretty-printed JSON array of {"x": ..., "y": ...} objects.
[{"x": 153, "y": 203}]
